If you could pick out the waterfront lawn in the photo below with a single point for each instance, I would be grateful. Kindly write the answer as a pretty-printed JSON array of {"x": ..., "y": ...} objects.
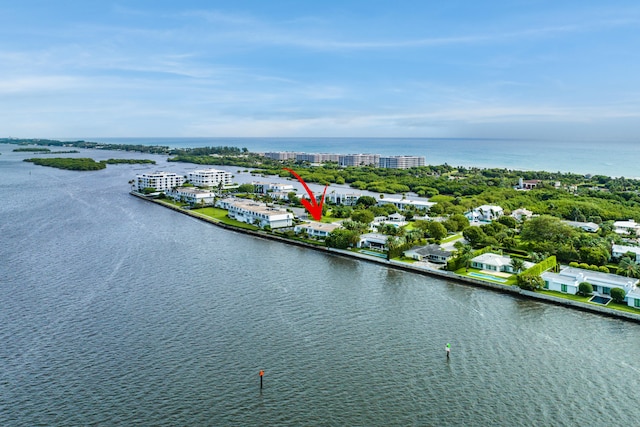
[
  {"x": 172, "y": 202},
  {"x": 571, "y": 297},
  {"x": 403, "y": 258},
  {"x": 623, "y": 307},
  {"x": 221, "y": 215},
  {"x": 612, "y": 305}
]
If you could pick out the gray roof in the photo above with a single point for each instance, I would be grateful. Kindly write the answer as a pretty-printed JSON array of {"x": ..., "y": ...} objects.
[{"x": 432, "y": 249}]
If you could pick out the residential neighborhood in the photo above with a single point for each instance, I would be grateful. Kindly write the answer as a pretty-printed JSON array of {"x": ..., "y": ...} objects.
[{"x": 481, "y": 244}]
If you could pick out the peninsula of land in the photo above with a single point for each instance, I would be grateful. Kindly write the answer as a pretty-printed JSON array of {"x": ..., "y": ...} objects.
[{"x": 559, "y": 236}]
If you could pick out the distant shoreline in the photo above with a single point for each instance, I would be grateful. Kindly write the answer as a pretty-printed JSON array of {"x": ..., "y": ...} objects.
[
  {"x": 607, "y": 157},
  {"x": 446, "y": 275}
]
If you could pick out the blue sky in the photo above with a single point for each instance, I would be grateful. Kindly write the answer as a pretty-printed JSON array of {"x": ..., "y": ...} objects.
[{"x": 492, "y": 69}]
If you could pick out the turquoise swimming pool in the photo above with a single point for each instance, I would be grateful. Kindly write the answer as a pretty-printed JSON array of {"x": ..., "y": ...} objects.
[
  {"x": 372, "y": 253},
  {"x": 487, "y": 277}
]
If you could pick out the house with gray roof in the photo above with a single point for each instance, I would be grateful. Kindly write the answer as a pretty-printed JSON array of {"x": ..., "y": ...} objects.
[
  {"x": 373, "y": 241},
  {"x": 433, "y": 253},
  {"x": 591, "y": 227}
]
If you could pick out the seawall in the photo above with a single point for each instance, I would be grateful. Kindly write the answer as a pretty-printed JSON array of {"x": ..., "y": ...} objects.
[{"x": 447, "y": 275}]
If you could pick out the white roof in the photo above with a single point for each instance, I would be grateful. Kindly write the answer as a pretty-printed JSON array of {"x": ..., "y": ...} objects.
[
  {"x": 573, "y": 275},
  {"x": 497, "y": 260},
  {"x": 375, "y": 236},
  {"x": 624, "y": 249},
  {"x": 626, "y": 224},
  {"x": 320, "y": 226},
  {"x": 487, "y": 208}
]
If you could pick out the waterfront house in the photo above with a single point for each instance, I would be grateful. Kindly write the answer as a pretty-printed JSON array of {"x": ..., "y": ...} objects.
[
  {"x": 494, "y": 262},
  {"x": 618, "y": 251},
  {"x": 373, "y": 241},
  {"x": 433, "y": 253},
  {"x": 485, "y": 213},
  {"x": 315, "y": 229},
  {"x": 633, "y": 298},
  {"x": 569, "y": 278},
  {"x": 192, "y": 195}
]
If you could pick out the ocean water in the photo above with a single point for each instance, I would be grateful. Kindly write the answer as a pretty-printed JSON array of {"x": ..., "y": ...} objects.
[
  {"x": 598, "y": 157},
  {"x": 118, "y": 312}
]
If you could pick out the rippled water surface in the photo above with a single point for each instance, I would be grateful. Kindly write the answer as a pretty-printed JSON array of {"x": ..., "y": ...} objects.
[{"x": 115, "y": 311}]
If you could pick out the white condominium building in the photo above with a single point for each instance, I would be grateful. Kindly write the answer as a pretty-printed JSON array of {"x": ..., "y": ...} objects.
[
  {"x": 281, "y": 155},
  {"x": 210, "y": 177},
  {"x": 268, "y": 187},
  {"x": 317, "y": 157},
  {"x": 192, "y": 195},
  {"x": 256, "y": 213},
  {"x": 161, "y": 181},
  {"x": 359, "y": 159},
  {"x": 401, "y": 162}
]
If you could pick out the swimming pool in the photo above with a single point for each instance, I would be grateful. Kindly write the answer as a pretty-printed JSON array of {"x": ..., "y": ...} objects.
[
  {"x": 487, "y": 277},
  {"x": 378, "y": 254},
  {"x": 600, "y": 299}
]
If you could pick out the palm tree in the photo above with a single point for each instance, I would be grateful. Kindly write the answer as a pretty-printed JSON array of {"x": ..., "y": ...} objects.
[
  {"x": 628, "y": 267},
  {"x": 517, "y": 264},
  {"x": 464, "y": 253}
]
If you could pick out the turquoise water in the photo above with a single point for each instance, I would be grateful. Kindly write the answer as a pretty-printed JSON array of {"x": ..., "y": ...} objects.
[
  {"x": 605, "y": 157},
  {"x": 372, "y": 253},
  {"x": 486, "y": 276}
]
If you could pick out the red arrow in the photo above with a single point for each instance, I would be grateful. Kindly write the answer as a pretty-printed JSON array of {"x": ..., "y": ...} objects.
[{"x": 312, "y": 206}]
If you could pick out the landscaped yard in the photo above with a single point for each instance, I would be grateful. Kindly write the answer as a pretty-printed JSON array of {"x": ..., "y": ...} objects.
[
  {"x": 612, "y": 305},
  {"x": 452, "y": 238},
  {"x": 221, "y": 215}
]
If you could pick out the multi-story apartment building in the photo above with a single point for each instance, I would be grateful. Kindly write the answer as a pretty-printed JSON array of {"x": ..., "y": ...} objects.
[
  {"x": 210, "y": 177},
  {"x": 281, "y": 155},
  {"x": 359, "y": 159},
  {"x": 161, "y": 181},
  {"x": 192, "y": 195},
  {"x": 317, "y": 157},
  {"x": 401, "y": 162},
  {"x": 256, "y": 213}
]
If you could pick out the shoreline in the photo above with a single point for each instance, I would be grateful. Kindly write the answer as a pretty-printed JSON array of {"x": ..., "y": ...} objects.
[{"x": 446, "y": 275}]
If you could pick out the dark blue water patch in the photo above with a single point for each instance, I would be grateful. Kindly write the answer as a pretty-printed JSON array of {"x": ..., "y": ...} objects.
[{"x": 600, "y": 299}]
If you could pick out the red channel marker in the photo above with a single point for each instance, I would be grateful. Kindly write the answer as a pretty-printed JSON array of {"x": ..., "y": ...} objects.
[{"x": 314, "y": 208}]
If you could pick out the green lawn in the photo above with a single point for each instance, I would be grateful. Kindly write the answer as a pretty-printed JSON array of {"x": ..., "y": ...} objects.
[
  {"x": 221, "y": 215},
  {"x": 403, "y": 258},
  {"x": 612, "y": 305},
  {"x": 215, "y": 213},
  {"x": 172, "y": 202},
  {"x": 451, "y": 238},
  {"x": 565, "y": 296}
]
